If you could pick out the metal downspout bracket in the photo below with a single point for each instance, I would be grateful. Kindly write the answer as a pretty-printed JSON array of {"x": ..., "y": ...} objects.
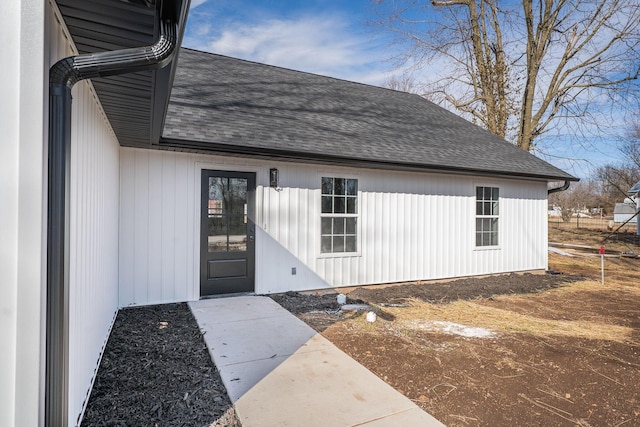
[{"x": 62, "y": 76}]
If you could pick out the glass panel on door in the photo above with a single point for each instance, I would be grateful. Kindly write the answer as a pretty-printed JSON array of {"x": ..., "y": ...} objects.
[{"x": 227, "y": 214}]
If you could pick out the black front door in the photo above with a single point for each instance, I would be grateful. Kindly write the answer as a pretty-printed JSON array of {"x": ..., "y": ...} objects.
[{"x": 227, "y": 232}]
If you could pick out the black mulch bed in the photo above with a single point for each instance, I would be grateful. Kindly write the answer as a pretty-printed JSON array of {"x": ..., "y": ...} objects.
[
  {"x": 156, "y": 371},
  {"x": 443, "y": 292},
  {"x": 298, "y": 303},
  {"x": 465, "y": 289}
]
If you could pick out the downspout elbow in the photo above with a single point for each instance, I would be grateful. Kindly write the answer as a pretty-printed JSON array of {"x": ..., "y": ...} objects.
[
  {"x": 68, "y": 71},
  {"x": 564, "y": 187}
]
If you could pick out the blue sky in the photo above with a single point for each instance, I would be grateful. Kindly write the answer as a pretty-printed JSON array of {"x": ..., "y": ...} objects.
[
  {"x": 331, "y": 37},
  {"x": 326, "y": 37}
]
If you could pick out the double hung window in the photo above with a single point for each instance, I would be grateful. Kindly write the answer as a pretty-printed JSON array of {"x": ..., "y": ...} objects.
[
  {"x": 487, "y": 210},
  {"x": 339, "y": 215}
]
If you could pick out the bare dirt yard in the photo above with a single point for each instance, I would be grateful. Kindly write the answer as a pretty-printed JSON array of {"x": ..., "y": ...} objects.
[{"x": 517, "y": 350}]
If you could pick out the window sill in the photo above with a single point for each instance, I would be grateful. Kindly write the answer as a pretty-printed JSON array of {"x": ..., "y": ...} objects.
[
  {"x": 339, "y": 255},
  {"x": 487, "y": 248}
]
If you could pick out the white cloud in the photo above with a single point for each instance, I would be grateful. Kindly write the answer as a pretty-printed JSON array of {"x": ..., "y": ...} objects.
[{"x": 318, "y": 44}]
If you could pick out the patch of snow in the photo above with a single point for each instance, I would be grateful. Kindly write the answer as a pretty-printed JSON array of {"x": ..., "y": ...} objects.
[
  {"x": 452, "y": 328},
  {"x": 355, "y": 307}
]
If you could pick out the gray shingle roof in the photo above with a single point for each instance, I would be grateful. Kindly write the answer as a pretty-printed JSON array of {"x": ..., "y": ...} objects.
[{"x": 230, "y": 105}]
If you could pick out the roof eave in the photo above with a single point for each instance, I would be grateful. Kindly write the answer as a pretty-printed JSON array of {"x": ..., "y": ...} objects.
[
  {"x": 291, "y": 156},
  {"x": 111, "y": 25}
]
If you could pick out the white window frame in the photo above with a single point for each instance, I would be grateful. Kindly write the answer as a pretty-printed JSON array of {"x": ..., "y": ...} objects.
[
  {"x": 334, "y": 215},
  {"x": 484, "y": 212}
]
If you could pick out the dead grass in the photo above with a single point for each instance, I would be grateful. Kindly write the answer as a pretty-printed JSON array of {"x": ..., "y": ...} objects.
[
  {"x": 586, "y": 235},
  {"x": 621, "y": 273},
  {"x": 622, "y": 276},
  {"x": 500, "y": 320}
]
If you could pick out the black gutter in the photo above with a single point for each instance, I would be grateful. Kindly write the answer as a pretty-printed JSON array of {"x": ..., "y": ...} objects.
[
  {"x": 564, "y": 187},
  {"x": 62, "y": 76},
  {"x": 213, "y": 148}
]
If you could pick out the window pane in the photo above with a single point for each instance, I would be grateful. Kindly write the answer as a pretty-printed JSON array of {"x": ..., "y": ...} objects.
[
  {"x": 478, "y": 224},
  {"x": 352, "y": 187},
  {"x": 487, "y": 193},
  {"x": 478, "y": 239},
  {"x": 339, "y": 186},
  {"x": 327, "y": 185},
  {"x": 495, "y": 193},
  {"x": 350, "y": 244},
  {"x": 217, "y": 238},
  {"x": 237, "y": 234},
  {"x": 237, "y": 195},
  {"x": 338, "y": 244},
  {"x": 326, "y": 226},
  {"x": 327, "y": 204},
  {"x": 352, "y": 205},
  {"x": 326, "y": 244},
  {"x": 338, "y": 225},
  {"x": 494, "y": 208},
  {"x": 478, "y": 193},
  {"x": 217, "y": 193},
  {"x": 351, "y": 226},
  {"x": 478, "y": 208},
  {"x": 339, "y": 205},
  {"x": 494, "y": 224},
  {"x": 494, "y": 239}
]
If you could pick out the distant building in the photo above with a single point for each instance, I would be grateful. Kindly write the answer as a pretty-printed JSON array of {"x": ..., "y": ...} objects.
[
  {"x": 623, "y": 211},
  {"x": 555, "y": 211}
]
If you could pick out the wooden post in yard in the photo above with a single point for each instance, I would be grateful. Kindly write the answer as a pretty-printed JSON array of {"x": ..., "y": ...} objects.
[{"x": 602, "y": 262}]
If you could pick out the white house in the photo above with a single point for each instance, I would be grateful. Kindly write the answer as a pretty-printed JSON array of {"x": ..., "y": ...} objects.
[
  {"x": 623, "y": 212},
  {"x": 177, "y": 174}
]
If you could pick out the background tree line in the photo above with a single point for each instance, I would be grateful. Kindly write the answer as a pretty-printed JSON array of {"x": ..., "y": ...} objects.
[
  {"x": 608, "y": 186},
  {"x": 527, "y": 70}
]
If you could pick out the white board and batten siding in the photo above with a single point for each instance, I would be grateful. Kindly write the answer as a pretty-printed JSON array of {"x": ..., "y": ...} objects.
[
  {"x": 22, "y": 208},
  {"x": 94, "y": 200},
  {"x": 411, "y": 226}
]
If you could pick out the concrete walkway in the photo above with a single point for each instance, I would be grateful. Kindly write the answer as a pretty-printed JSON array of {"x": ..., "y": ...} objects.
[{"x": 280, "y": 372}]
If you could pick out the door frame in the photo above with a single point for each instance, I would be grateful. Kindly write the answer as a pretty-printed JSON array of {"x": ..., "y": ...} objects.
[{"x": 202, "y": 171}]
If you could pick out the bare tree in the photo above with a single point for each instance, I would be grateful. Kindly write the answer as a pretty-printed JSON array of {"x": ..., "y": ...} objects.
[
  {"x": 404, "y": 83},
  {"x": 618, "y": 179},
  {"x": 517, "y": 69},
  {"x": 631, "y": 147},
  {"x": 580, "y": 196}
]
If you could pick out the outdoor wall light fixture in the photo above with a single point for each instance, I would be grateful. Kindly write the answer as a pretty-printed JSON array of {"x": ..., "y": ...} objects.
[{"x": 273, "y": 178}]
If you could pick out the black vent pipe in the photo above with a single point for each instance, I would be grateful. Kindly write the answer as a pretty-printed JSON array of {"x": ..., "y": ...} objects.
[{"x": 62, "y": 76}]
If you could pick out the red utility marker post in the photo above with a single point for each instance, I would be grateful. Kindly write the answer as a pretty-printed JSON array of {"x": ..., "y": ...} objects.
[{"x": 602, "y": 261}]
